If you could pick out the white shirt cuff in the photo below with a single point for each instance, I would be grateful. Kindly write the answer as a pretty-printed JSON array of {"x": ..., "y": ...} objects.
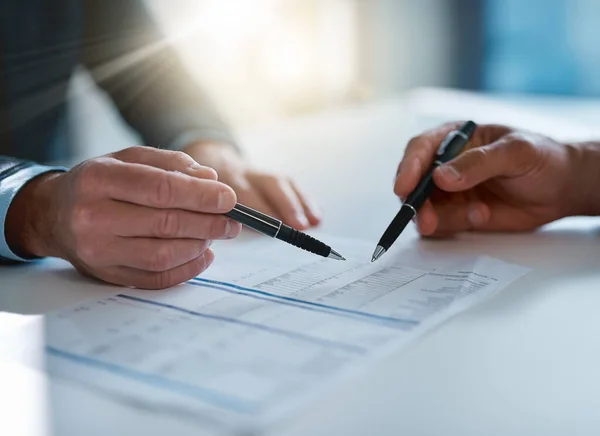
[{"x": 9, "y": 188}]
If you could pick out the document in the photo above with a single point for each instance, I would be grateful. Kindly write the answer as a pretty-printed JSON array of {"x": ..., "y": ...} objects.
[
  {"x": 264, "y": 329},
  {"x": 22, "y": 339}
]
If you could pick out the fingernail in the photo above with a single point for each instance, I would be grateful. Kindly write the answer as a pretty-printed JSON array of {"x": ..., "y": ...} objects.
[
  {"x": 231, "y": 229},
  {"x": 196, "y": 166},
  {"x": 315, "y": 209},
  {"x": 225, "y": 201},
  {"x": 474, "y": 215},
  {"x": 302, "y": 219},
  {"x": 450, "y": 173}
]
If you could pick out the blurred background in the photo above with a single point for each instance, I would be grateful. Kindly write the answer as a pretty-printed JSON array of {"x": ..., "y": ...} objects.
[{"x": 263, "y": 60}]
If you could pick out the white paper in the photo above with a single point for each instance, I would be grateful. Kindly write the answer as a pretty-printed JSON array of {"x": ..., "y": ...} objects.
[
  {"x": 22, "y": 339},
  {"x": 264, "y": 329}
]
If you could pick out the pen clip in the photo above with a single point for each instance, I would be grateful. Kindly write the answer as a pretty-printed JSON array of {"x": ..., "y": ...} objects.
[{"x": 447, "y": 140}]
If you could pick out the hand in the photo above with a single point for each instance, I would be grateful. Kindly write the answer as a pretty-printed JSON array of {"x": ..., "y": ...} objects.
[
  {"x": 140, "y": 217},
  {"x": 274, "y": 195},
  {"x": 504, "y": 180}
]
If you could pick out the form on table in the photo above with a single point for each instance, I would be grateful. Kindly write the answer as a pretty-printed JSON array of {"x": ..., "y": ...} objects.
[{"x": 262, "y": 330}]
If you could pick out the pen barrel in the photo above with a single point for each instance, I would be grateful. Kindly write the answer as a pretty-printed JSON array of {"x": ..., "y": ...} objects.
[
  {"x": 453, "y": 149},
  {"x": 455, "y": 142},
  {"x": 255, "y": 220},
  {"x": 303, "y": 241},
  {"x": 422, "y": 191}
]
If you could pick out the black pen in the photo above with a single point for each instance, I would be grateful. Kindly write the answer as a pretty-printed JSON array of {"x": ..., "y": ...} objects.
[
  {"x": 267, "y": 225},
  {"x": 450, "y": 147}
]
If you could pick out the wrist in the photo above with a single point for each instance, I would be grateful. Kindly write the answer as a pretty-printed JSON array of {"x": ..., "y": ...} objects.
[
  {"x": 585, "y": 178},
  {"x": 27, "y": 228}
]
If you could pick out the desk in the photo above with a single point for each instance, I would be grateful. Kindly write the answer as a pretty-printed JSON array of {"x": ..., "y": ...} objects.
[{"x": 525, "y": 362}]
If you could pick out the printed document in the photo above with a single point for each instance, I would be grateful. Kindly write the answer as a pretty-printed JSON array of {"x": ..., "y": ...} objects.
[{"x": 264, "y": 329}]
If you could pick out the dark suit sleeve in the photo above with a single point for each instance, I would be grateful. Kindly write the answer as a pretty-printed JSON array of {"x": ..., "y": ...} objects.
[{"x": 131, "y": 60}]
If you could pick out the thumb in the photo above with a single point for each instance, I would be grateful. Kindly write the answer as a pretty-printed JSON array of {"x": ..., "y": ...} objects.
[{"x": 507, "y": 157}]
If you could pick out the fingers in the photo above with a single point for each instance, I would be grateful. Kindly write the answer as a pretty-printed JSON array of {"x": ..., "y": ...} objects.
[
  {"x": 418, "y": 157},
  {"x": 459, "y": 217},
  {"x": 153, "y": 187},
  {"x": 507, "y": 157},
  {"x": 142, "y": 279},
  {"x": 143, "y": 253},
  {"x": 311, "y": 210},
  {"x": 283, "y": 199},
  {"x": 408, "y": 172},
  {"x": 130, "y": 220},
  {"x": 254, "y": 199},
  {"x": 168, "y": 160},
  {"x": 427, "y": 219}
]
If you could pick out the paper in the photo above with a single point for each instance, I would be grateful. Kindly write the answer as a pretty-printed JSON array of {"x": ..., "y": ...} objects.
[
  {"x": 264, "y": 329},
  {"x": 22, "y": 339}
]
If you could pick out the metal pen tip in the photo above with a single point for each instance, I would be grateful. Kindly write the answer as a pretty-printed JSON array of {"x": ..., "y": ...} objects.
[
  {"x": 379, "y": 251},
  {"x": 335, "y": 255}
]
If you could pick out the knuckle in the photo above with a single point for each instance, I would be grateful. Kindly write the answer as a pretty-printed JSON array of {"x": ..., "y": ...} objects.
[
  {"x": 520, "y": 144},
  {"x": 136, "y": 149},
  {"x": 273, "y": 180},
  {"x": 480, "y": 154},
  {"x": 89, "y": 174},
  {"x": 82, "y": 218},
  {"x": 204, "y": 245},
  {"x": 183, "y": 158},
  {"x": 211, "y": 173},
  {"x": 521, "y": 151},
  {"x": 203, "y": 199},
  {"x": 87, "y": 252},
  {"x": 200, "y": 265},
  {"x": 159, "y": 280},
  {"x": 161, "y": 259},
  {"x": 217, "y": 227},
  {"x": 207, "y": 198},
  {"x": 163, "y": 280},
  {"x": 515, "y": 140},
  {"x": 163, "y": 190},
  {"x": 472, "y": 158},
  {"x": 169, "y": 224},
  {"x": 130, "y": 152},
  {"x": 413, "y": 143},
  {"x": 277, "y": 178}
]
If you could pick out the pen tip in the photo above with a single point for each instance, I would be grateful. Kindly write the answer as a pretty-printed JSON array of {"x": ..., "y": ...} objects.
[
  {"x": 379, "y": 251},
  {"x": 335, "y": 255}
]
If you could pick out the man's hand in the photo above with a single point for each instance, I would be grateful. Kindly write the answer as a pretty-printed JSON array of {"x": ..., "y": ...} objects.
[
  {"x": 505, "y": 180},
  {"x": 273, "y": 195},
  {"x": 140, "y": 217}
]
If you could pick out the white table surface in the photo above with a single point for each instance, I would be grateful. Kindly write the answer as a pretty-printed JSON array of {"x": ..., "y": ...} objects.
[{"x": 524, "y": 363}]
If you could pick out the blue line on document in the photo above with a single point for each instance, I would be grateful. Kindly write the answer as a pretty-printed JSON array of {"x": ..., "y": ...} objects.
[
  {"x": 294, "y": 335},
  {"x": 215, "y": 398},
  {"x": 304, "y": 303}
]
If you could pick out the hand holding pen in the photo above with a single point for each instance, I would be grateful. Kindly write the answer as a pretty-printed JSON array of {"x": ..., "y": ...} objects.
[
  {"x": 505, "y": 180},
  {"x": 446, "y": 150}
]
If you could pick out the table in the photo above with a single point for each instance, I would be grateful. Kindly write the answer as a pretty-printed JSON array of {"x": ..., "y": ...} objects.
[{"x": 525, "y": 362}]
